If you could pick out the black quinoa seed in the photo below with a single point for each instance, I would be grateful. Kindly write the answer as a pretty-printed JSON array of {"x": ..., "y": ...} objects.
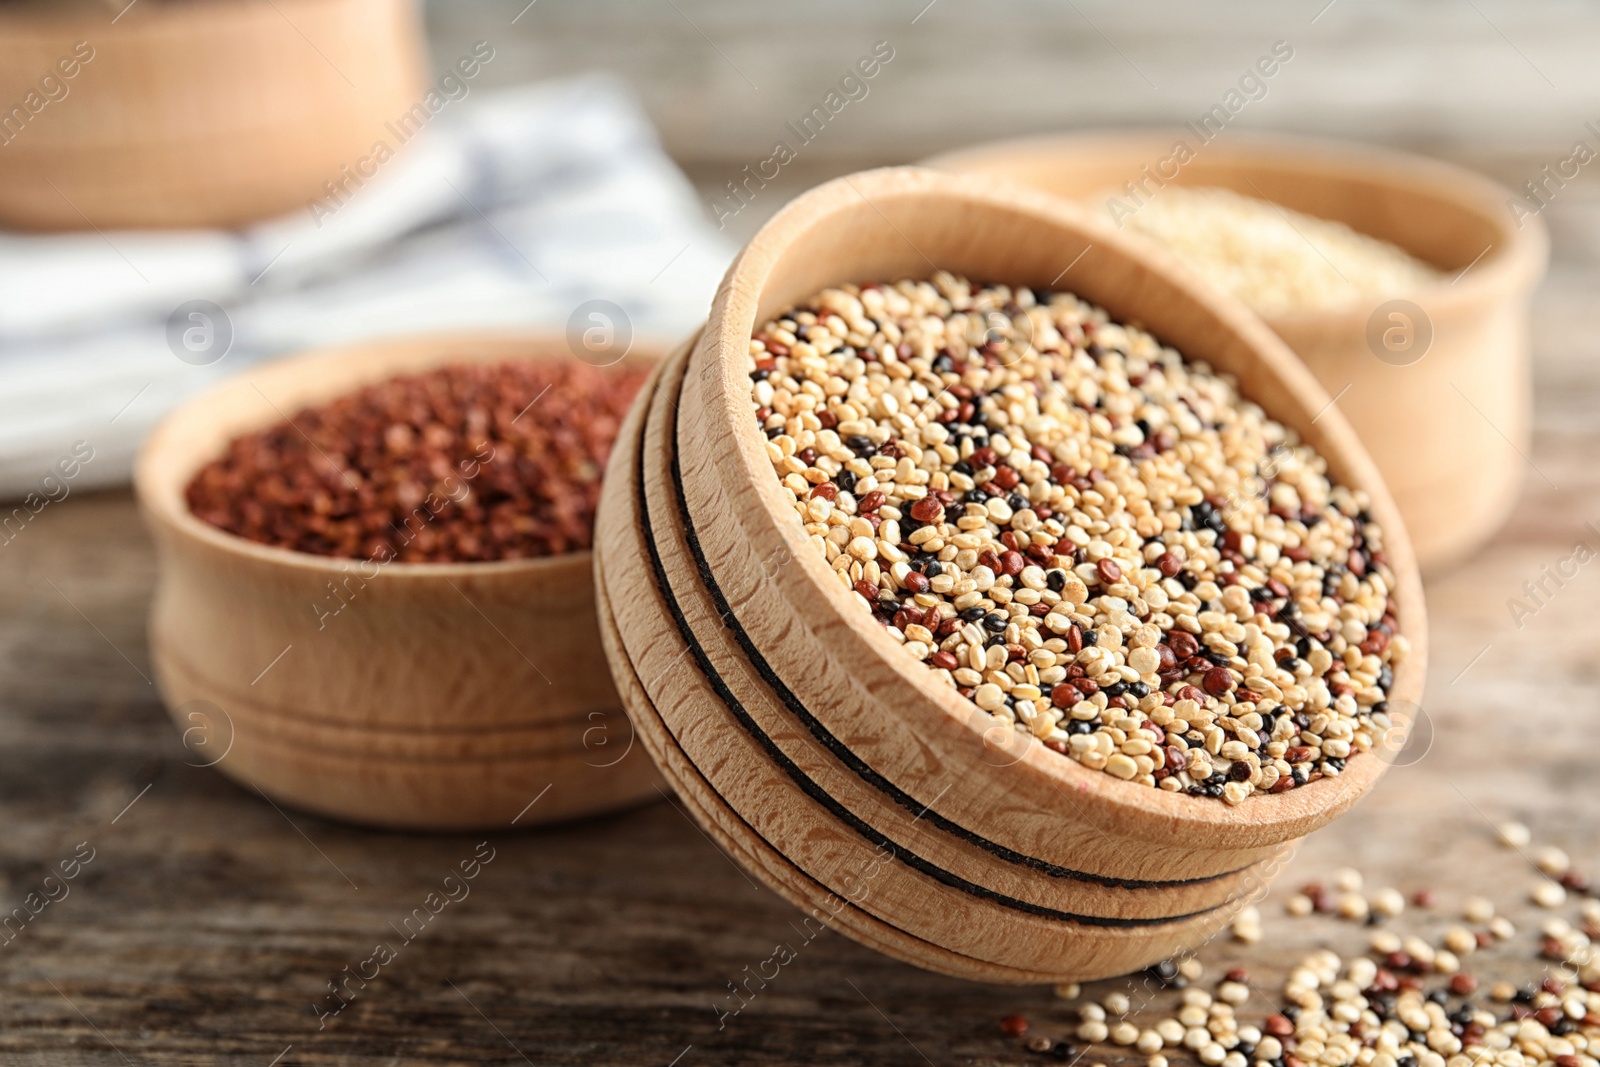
[{"x": 1111, "y": 395}]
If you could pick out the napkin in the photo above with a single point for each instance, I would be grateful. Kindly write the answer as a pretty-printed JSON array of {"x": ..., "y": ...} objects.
[{"x": 508, "y": 211}]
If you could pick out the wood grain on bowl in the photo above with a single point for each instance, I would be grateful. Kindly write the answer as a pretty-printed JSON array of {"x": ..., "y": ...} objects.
[
  {"x": 198, "y": 114},
  {"x": 830, "y": 746},
  {"x": 440, "y": 695},
  {"x": 989, "y": 910}
]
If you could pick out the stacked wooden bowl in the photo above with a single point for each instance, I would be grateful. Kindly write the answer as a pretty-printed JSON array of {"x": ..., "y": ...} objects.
[
  {"x": 196, "y": 114},
  {"x": 826, "y": 760},
  {"x": 1447, "y": 418},
  {"x": 408, "y": 695}
]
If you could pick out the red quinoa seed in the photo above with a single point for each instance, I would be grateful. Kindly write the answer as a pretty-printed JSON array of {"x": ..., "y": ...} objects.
[{"x": 464, "y": 463}]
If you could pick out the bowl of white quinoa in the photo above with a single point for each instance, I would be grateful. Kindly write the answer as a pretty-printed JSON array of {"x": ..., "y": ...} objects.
[
  {"x": 984, "y": 548},
  {"x": 1402, "y": 282}
]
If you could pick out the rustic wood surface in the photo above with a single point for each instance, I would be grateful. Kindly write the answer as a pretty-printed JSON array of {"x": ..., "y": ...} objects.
[{"x": 208, "y": 922}]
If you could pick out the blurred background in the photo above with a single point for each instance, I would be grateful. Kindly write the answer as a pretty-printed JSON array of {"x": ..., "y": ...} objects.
[
  {"x": 1503, "y": 87},
  {"x": 243, "y": 131},
  {"x": 202, "y": 193}
]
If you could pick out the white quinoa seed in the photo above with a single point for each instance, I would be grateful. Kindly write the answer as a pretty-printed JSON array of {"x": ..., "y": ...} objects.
[
  {"x": 1348, "y": 880},
  {"x": 1388, "y": 902},
  {"x": 1553, "y": 861},
  {"x": 1276, "y": 259},
  {"x": 1385, "y": 941},
  {"x": 1353, "y": 906},
  {"x": 1234, "y": 993},
  {"x": 1377, "y": 1012},
  {"x": 1549, "y": 894},
  {"x": 1460, "y": 940},
  {"x": 1091, "y": 538}
]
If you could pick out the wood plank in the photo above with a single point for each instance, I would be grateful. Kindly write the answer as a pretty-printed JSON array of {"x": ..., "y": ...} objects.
[{"x": 208, "y": 922}]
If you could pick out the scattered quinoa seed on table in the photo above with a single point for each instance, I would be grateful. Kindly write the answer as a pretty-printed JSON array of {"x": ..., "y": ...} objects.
[
  {"x": 1086, "y": 535},
  {"x": 1401, "y": 1001}
]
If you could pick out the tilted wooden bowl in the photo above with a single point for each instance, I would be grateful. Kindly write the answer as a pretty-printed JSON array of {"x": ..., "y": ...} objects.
[
  {"x": 197, "y": 114},
  {"x": 440, "y": 696},
  {"x": 823, "y": 757},
  {"x": 1455, "y": 472}
]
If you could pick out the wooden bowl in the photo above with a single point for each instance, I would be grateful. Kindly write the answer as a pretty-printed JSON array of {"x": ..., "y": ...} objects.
[
  {"x": 198, "y": 114},
  {"x": 441, "y": 696},
  {"x": 827, "y": 761},
  {"x": 1454, "y": 471}
]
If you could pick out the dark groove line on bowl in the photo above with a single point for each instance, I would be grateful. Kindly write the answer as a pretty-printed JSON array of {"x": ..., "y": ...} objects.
[
  {"x": 266, "y": 709},
  {"x": 701, "y": 814},
  {"x": 810, "y": 787},
  {"x": 862, "y": 769}
]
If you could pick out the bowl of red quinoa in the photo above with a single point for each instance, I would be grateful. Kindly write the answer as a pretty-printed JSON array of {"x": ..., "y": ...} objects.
[
  {"x": 1310, "y": 233},
  {"x": 375, "y": 596},
  {"x": 978, "y": 579}
]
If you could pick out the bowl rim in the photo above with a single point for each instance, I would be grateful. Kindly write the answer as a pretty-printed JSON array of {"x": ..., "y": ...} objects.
[
  {"x": 725, "y": 342},
  {"x": 162, "y": 469},
  {"x": 1516, "y": 261}
]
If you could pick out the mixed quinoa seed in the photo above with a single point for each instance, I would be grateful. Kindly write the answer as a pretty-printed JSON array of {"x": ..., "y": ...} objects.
[
  {"x": 1456, "y": 995},
  {"x": 1086, "y": 535}
]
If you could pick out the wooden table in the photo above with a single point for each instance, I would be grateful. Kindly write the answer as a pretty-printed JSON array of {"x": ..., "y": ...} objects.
[{"x": 208, "y": 921}]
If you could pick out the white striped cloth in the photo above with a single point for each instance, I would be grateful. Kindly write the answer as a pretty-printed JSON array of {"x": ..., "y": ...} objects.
[{"x": 508, "y": 211}]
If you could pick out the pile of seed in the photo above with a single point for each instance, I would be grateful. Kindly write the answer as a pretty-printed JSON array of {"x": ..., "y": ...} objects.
[
  {"x": 1405, "y": 1002},
  {"x": 472, "y": 462},
  {"x": 1275, "y": 259},
  {"x": 1088, "y": 536}
]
